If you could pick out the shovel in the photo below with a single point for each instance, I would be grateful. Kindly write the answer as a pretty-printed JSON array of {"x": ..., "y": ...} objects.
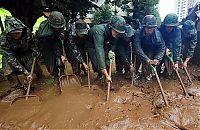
[
  {"x": 177, "y": 73},
  {"x": 185, "y": 69},
  {"x": 160, "y": 85},
  {"x": 68, "y": 79},
  {"x": 109, "y": 83},
  {"x": 88, "y": 72},
  {"x": 134, "y": 69},
  {"x": 29, "y": 86}
]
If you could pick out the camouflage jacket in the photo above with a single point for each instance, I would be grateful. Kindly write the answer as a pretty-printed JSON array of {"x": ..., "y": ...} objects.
[
  {"x": 12, "y": 49},
  {"x": 103, "y": 41},
  {"x": 172, "y": 41},
  {"x": 154, "y": 43},
  {"x": 71, "y": 48},
  {"x": 189, "y": 43}
]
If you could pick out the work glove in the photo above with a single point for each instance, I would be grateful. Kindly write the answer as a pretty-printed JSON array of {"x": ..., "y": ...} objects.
[
  {"x": 35, "y": 54},
  {"x": 111, "y": 54}
]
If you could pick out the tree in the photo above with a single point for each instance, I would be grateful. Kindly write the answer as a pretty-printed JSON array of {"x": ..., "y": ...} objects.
[
  {"x": 71, "y": 8},
  {"x": 103, "y": 15}
]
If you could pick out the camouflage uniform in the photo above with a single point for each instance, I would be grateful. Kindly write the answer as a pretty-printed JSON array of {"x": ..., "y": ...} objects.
[
  {"x": 173, "y": 38},
  {"x": 172, "y": 41},
  {"x": 123, "y": 51},
  {"x": 18, "y": 54},
  {"x": 48, "y": 39},
  {"x": 103, "y": 40},
  {"x": 77, "y": 47},
  {"x": 73, "y": 53},
  {"x": 189, "y": 38},
  {"x": 148, "y": 47}
]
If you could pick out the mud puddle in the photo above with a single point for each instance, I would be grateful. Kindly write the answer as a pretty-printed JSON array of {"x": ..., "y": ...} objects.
[{"x": 84, "y": 108}]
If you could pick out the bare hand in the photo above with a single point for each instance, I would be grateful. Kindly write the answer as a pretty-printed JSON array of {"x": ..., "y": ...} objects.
[
  {"x": 167, "y": 51},
  {"x": 108, "y": 79},
  {"x": 63, "y": 59},
  {"x": 176, "y": 66},
  {"x": 29, "y": 78},
  {"x": 85, "y": 66},
  {"x": 185, "y": 64}
]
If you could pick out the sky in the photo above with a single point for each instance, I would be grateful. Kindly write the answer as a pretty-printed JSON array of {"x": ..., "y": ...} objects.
[{"x": 165, "y": 7}]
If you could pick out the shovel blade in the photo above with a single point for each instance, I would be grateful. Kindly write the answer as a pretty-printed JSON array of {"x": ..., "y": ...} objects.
[{"x": 69, "y": 80}]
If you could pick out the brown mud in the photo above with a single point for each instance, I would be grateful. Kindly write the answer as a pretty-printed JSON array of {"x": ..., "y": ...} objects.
[{"x": 129, "y": 107}]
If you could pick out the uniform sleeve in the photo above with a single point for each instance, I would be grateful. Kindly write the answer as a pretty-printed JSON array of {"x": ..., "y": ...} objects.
[
  {"x": 192, "y": 45},
  {"x": 161, "y": 46},
  {"x": 138, "y": 49},
  {"x": 10, "y": 57},
  {"x": 177, "y": 43},
  {"x": 98, "y": 39},
  {"x": 70, "y": 46}
]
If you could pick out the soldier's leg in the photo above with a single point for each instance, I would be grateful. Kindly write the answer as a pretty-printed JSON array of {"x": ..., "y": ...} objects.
[
  {"x": 76, "y": 67},
  {"x": 125, "y": 61},
  {"x": 118, "y": 63},
  {"x": 93, "y": 58}
]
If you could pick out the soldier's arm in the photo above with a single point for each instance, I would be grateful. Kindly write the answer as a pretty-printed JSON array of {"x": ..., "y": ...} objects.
[
  {"x": 177, "y": 44},
  {"x": 11, "y": 59},
  {"x": 99, "y": 47},
  {"x": 192, "y": 45},
  {"x": 138, "y": 49},
  {"x": 161, "y": 47},
  {"x": 74, "y": 49}
]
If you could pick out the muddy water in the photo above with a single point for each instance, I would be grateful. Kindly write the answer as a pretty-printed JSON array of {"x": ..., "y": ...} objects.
[{"x": 80, "y": 107}]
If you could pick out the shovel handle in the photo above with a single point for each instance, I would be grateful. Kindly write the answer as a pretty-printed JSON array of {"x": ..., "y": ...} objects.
[
  {"x": 134, "y": 69},
  {"x": 88, "y": 71},
  {"x": 179, "y": 77},
  {"x": 110, "y": 70},
  {"x": 185, "y": 69},
  {"x": 160, "y": 85},
  {"x": 29, "y": 82}
]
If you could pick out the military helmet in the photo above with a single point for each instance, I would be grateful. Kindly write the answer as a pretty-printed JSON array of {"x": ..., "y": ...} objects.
[
  {"x": 13, "y": 24},
  {"x": 56, "y": 20},
  {"x": 81, "y": 27},
  {"x": 171, "y": 20},
  {"x": 118, "y": 24},
  {"x": 189, "y": 27},
  {"x": 149, "y": 21},
  {"x": 129, "y": 32}
]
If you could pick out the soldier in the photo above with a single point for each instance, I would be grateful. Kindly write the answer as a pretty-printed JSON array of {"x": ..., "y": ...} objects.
[
  {"x": 46, "y": 12},
  {"x": 123, "y": 52},
  {"x": 189, "y": 40},
  {"x": 18, "y": 49},
  {"x": 76, "y": 47},
  {"x": 49, "y": 40},
  {"x": 104, "y": 38},
  {"x": 148, "y": 44},
  {"x": 3, "y": 14},
  {"x": 172, "y": 36}
]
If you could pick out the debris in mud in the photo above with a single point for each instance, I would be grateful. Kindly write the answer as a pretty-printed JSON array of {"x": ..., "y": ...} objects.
[
  {"x": 13, "y": 95},
  {"x": 8, "y": 126},
  {"x": 193, "y": 91}
]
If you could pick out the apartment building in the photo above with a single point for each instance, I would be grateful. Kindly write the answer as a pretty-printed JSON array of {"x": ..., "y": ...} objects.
[{"x": 181, "y": 8}]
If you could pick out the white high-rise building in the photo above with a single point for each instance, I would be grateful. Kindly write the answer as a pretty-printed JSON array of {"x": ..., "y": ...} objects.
[
  {"x": 192, "y": 3},
  {"x": 181, "y": 8}
]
